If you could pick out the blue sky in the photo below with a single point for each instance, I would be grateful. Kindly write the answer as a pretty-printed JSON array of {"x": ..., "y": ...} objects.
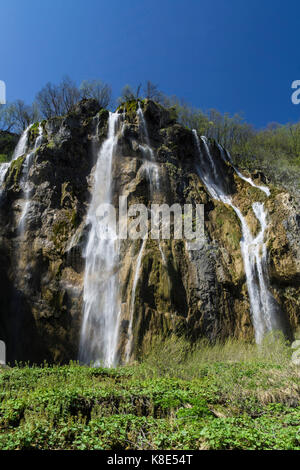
[{"x": 232, "y": 55}]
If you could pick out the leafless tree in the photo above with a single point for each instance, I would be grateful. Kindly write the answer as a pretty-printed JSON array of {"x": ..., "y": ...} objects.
[
  {"x": 152, "y": 92},
  {"x": 56, "y": 100},
  {"x": 17, "y": 116},
  {"x": 129, "y": 94},
  {"x": 97, "y": 90}
]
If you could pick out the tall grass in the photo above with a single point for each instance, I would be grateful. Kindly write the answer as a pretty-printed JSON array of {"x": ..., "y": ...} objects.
[{"x": 176, "y": 357}]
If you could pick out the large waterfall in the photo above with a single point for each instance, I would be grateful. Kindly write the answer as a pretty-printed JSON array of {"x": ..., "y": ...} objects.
[
  {"x": 99, "y": 333},
  {"x": 253, "y": 248}
]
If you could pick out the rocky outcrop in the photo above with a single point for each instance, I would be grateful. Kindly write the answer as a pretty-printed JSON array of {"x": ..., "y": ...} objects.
[{"x": 193, "y": 293}]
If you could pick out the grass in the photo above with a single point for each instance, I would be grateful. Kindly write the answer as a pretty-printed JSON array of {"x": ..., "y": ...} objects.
[{"x": 230, "y": 396}]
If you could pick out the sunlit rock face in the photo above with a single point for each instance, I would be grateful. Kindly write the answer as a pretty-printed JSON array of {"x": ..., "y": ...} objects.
[{"x": 162, "y": 287}]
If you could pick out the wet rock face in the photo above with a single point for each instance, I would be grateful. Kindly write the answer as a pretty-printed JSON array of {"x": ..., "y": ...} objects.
[{"x": 195, "y": 293}]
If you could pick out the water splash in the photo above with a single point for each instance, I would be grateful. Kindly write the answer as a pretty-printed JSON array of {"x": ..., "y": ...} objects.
[
  {"x": 101, "y": 302},
  {"x": 253, "y": 249}
]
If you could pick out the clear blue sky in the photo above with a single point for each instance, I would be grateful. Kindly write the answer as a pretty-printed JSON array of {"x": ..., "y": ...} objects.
[{"x": 233, "y": 55}]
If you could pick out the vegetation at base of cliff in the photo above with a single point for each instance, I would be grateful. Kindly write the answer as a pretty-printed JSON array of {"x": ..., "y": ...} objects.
[{"x": 232, "y": 396}]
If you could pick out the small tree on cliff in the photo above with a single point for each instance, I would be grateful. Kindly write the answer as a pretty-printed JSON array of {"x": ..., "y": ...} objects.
[
  {"x": 152, "y": 92},
  {"x": 129, "y": 94}
]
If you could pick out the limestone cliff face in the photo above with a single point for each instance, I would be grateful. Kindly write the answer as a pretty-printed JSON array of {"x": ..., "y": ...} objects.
[{"x": 196, "y": 293}]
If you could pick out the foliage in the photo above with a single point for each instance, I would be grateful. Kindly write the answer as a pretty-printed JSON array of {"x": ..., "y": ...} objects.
[
  {"x": 275, "y": 150},
  {"x": 175, "y": 399},
  {"x": 8, "y": 142},
  {"x": 17, "y": 116}
]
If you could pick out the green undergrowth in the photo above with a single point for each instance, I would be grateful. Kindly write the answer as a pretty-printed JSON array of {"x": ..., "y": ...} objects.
[{"x": 232, "y": 396}]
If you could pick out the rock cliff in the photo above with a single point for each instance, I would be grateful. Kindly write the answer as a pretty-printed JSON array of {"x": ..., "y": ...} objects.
[{"x": 193, "y": 293}]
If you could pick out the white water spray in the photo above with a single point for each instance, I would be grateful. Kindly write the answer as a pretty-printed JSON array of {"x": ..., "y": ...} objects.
[
  {"x": 101, "y": 302},
  {"x": 254, "y": 253}
]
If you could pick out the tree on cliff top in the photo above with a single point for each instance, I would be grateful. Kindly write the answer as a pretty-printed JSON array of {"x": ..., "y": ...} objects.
[{"x": 97, "y": 90}]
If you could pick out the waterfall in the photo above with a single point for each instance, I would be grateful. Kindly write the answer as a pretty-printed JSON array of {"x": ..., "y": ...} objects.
[
  {"x": 265, "y": 189},
  {"x": 148, "y": 154},
  {"x": 128, "y": 348},
  {"x": 211, "y": 160},
  {"x": 101, "y": 302},
  {"x": 24, "y": 182},
  {"x": 3, "y": 170},
  {"x": 152, "y": 170},
  {"x": 18, "y": 152},
  {"x": 253, "y": 249},
  {"x": 22, "y": 144}
]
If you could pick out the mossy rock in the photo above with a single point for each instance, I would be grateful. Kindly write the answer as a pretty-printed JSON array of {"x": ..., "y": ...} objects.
[
  {"x": 130, "y": 107},
  {"x": 61, "y": 229},
  {"x": 15, "y": 170}
]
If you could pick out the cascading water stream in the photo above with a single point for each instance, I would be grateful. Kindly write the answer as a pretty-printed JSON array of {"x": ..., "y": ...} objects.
[
  {"x": 18, "y": 152},
  {"x": 153, "y": 177},
  {"x": 101, "y": 302},
  {"x": 3, "y": 170},
  {"x": 22, "y": 144},
  {"x": 224, "y": 152},
  {"x": 128, "y": 348},
  {"x": 25, "y": 183},
  {"x": 253, "y": 249},
  {"x": 148, "y": 154}
]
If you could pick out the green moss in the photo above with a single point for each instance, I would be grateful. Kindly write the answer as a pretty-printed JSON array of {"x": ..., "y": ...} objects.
[
  {"x": 4, "y": 158},
  {"x": 61, "y": 228},
  {"x": 172, "y": 169},
  {"x": 228, "y": 224},
  {"x": 130, "y": 107},
  {"x": 51, "y": 144},
  {"x": 15, "y": 169}
]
